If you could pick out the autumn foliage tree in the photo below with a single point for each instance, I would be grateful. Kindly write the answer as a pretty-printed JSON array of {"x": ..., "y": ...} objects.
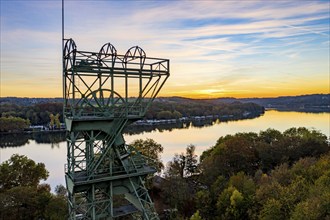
[
  {"x": 179, "y": 181},
  {"x": 265, "y": 175},
  {"x": 54, "y": 121}
]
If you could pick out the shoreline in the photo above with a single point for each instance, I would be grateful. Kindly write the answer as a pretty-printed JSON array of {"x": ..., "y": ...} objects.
[
  {"x": 145, "y": 123},
  {"x": 156, "y": 122}
]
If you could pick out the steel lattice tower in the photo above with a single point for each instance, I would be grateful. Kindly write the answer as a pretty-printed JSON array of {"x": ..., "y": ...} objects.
[{"x": 104, "y": 92}]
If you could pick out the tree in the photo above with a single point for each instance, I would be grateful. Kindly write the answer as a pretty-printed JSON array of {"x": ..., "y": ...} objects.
[
  {"x": 184, "y": 164},
  {"x": 235, "y": 201},
  {"x": 316, "y": 204},
  {"x": 270, "y": 136},
  {"x": 305, "y": 142},
  {"x": 176, "y": 114},
  {"x": 243, "y": 183},
  {"x": 178, "y": 194},
  {"x": 230, "y": 155},
  {"x": 219, "y": 185},
  {"x": 179, "y": 183},
  {"x": 191, "y": 160},
  {"x": 224, "y": 203},
  {"x": 61, "y": 191},
  {"x": 52, "y": 121},
  {"x": 164, "y": 115},
  {"x": 13, "y": 124},
  {"x": 21, "y": 171},
  {"x": 151, "y": 150},
  {"x": 57, "y": 120},
  {"x": 21, "y": 195},
  {"x": 196, "y": 216},
  {"x": 57, "y": 207},
  {"x": 237, "y": 204},
  {"x": 297, "y": 192},
  {"x": 204, "y": 203},
  {"x": 271, "y": 210},
  {"x": 271, "y": 149},
  {"x": 176, "y": 166}
]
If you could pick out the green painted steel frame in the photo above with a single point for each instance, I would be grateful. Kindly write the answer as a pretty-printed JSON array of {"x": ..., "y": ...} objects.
[
  {"x": 103, "y": 92},
  {"x": 108, "y": 85}
]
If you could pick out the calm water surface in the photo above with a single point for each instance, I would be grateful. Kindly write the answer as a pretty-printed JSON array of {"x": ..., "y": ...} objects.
[{"x": 176, "y": 140}]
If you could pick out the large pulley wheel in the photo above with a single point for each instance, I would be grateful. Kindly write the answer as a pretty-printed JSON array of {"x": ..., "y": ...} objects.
[{"x": 103, "y": 101}]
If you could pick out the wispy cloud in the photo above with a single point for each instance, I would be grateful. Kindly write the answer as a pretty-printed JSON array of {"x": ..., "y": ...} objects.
[{"x": 210, "y": 43}]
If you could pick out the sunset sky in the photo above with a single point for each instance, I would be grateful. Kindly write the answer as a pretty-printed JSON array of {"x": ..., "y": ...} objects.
[{"x": 216, "y": 48}]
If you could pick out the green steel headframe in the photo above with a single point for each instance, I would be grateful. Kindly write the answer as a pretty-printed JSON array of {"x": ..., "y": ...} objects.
[
  {"x": 106, "y": 84},
  {"x": 103, "y": 92}
]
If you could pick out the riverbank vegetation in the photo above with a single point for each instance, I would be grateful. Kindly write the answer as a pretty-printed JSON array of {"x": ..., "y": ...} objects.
[
  {"x": 50, "y": 114},
  {"x": 13, "y": 124},
  {"x": 177, "y": 107},
  {"x": 37, "y": 114}
]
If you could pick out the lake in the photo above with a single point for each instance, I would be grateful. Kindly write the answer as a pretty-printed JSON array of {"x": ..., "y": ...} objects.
[{"x": 176, "y": 140}]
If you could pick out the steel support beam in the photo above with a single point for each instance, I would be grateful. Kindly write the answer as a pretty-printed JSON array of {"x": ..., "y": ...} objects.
[{"x": 104, "y": 176}]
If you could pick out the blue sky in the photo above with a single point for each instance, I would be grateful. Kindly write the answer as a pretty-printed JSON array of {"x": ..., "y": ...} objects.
[{"x": 216, "y": 48}]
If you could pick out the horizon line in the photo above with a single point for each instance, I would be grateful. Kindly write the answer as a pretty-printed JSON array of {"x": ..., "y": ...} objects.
[{"x": 185, "y": 97}]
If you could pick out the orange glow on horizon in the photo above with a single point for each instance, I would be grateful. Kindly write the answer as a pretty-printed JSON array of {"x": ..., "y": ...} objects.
[
  {"x": 46, "y": 93},
  {"x": 248, "y": 94},
  {"x": 51, "y": 90}
]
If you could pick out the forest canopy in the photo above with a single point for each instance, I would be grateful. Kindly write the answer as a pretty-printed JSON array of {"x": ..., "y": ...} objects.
[{"x": 265, "y": 175}]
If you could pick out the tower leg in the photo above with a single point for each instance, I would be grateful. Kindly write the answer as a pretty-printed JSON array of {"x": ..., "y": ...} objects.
[{"x": 105, "y": 179}]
